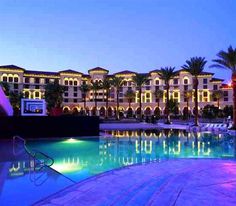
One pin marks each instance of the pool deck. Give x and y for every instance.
(174, 182)
(142, 125)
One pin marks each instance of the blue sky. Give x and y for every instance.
(138, 35)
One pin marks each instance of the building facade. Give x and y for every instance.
(32, 85)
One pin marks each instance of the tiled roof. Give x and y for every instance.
(41, 72)
(126, 72)
(70, 71)
(98, 68)
(12, 67)
(216, 80)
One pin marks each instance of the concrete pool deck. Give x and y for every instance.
(174, 182)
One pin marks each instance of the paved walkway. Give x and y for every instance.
(142, 125)
(174, 182)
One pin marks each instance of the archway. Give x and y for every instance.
(147, 111)
(109, 112)
(157, 112)
(129, 112)
(102, 112)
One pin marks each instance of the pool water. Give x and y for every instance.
(76, 159)
(81, 158)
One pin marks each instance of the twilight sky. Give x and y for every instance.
(138, 35)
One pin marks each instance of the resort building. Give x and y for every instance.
(32, 85)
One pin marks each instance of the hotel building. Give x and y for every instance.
(32, 84)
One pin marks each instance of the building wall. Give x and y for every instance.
(32, 84)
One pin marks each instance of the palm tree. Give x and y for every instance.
(159, 95)
(106, 85)
(6, 88)
(130, 96)
(84, 88)
(187, 95)
(54, 96)
(227, 60)
(140, 80)
(218, 95)
(15, 100)
(167, 74)
(95, 86)
(195, 67)
(117, 82)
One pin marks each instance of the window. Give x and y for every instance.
(185, 87)
(185, 81)
(46, 81)
(204, 81)
(75, 89)
(36, 94)
(205, 94)
(75, 100)
(27, 80)
(226, 99)
(15, 86)
(70, 83)
(121, 95)
(75, 94)
(147, 88)
(148, 82)
(10, 79)
(36, 86)
(27, 95)
(75, 83)
(15, 79)
(176, 95)
(66, 94)
(66, 100)
(37, 80)
(66, 82)
(4, 79)
(66, 88)
(225, 93)
(157, 82)
(26, 86)
(125, 83)
(205, 86)
(175, 81)
(215, 87)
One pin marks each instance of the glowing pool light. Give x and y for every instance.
(71, 141)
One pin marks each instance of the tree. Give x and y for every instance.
(209, 112)
(140, 80)
(227, 60)
(84, 88)
(195, 67)
(187, 95)
(6, 88)
(106, 85)
(130, 96)
(117, 82)
(54, 95)
(95, 86)
(15, 100)
(159, 95)
(218, 95)
(166, 74)
(173, 107)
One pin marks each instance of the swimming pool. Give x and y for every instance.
(76, 159)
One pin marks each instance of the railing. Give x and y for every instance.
(38, 161)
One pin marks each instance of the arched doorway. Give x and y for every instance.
(102, 112)
(130, 113)
(148, 111)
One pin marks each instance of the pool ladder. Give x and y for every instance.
(38, 161)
